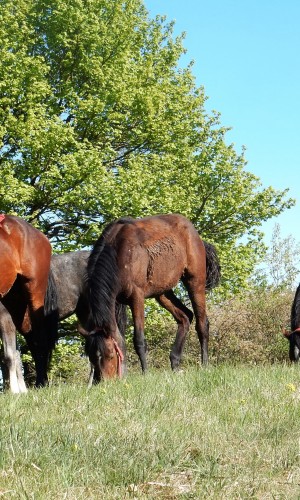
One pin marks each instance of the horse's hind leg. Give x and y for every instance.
(183, 316)
(138, 315)
(37, 340)
(196, 291)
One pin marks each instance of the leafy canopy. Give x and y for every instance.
(98, 120)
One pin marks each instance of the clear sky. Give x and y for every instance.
(247, 56)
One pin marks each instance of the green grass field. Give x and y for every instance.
(221, 432)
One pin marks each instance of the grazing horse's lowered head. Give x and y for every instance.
(293, 335)
(105, 351)
(105, 355)
(294, 341)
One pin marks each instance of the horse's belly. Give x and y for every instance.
(162, 281)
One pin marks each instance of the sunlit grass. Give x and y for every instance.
(221, 432)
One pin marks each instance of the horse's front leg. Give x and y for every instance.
(20, 377)
(138, 315)
(10, 363)
(13, 375)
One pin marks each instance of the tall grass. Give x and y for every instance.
(220, 432)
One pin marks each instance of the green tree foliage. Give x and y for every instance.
(280, 268)
(98, 120)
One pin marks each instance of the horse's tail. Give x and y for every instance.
(102, 273)
(51, 312)
(213, 269)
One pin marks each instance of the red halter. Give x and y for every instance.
(120, 356)
(297, 330)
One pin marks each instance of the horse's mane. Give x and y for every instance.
(102, 273)
(94, 343)
(99, 245)
(295, 311)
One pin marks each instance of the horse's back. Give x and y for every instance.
(24, 251)
(153, 228)
(69, 271)
(21, 238)
(162, 233)
(155, 252)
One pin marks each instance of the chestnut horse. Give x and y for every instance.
(25, 255)
(293, 336)
(136, 259)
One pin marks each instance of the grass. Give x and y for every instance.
(221, 432)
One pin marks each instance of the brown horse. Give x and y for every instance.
(25, 255)
(139, 258)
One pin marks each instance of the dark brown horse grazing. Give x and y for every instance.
(293, 336)
(25, 255)
(139, 258)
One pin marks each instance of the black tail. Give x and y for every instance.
(213, 269)
(51, 311)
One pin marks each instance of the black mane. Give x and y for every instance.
(102, 273)
(94, 343)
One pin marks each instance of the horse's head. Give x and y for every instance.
(104, 354)
(294, 341)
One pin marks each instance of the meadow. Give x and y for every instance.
(219, 432)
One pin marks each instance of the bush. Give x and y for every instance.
(245, 329)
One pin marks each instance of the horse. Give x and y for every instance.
(143, 258)
(293, 335)
(25, 255)
(69, 276)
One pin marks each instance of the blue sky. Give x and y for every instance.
(247, 56)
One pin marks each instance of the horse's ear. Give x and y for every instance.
(82, 331)
(286, 333)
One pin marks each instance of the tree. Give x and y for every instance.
(97, 120)
(280, 267)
